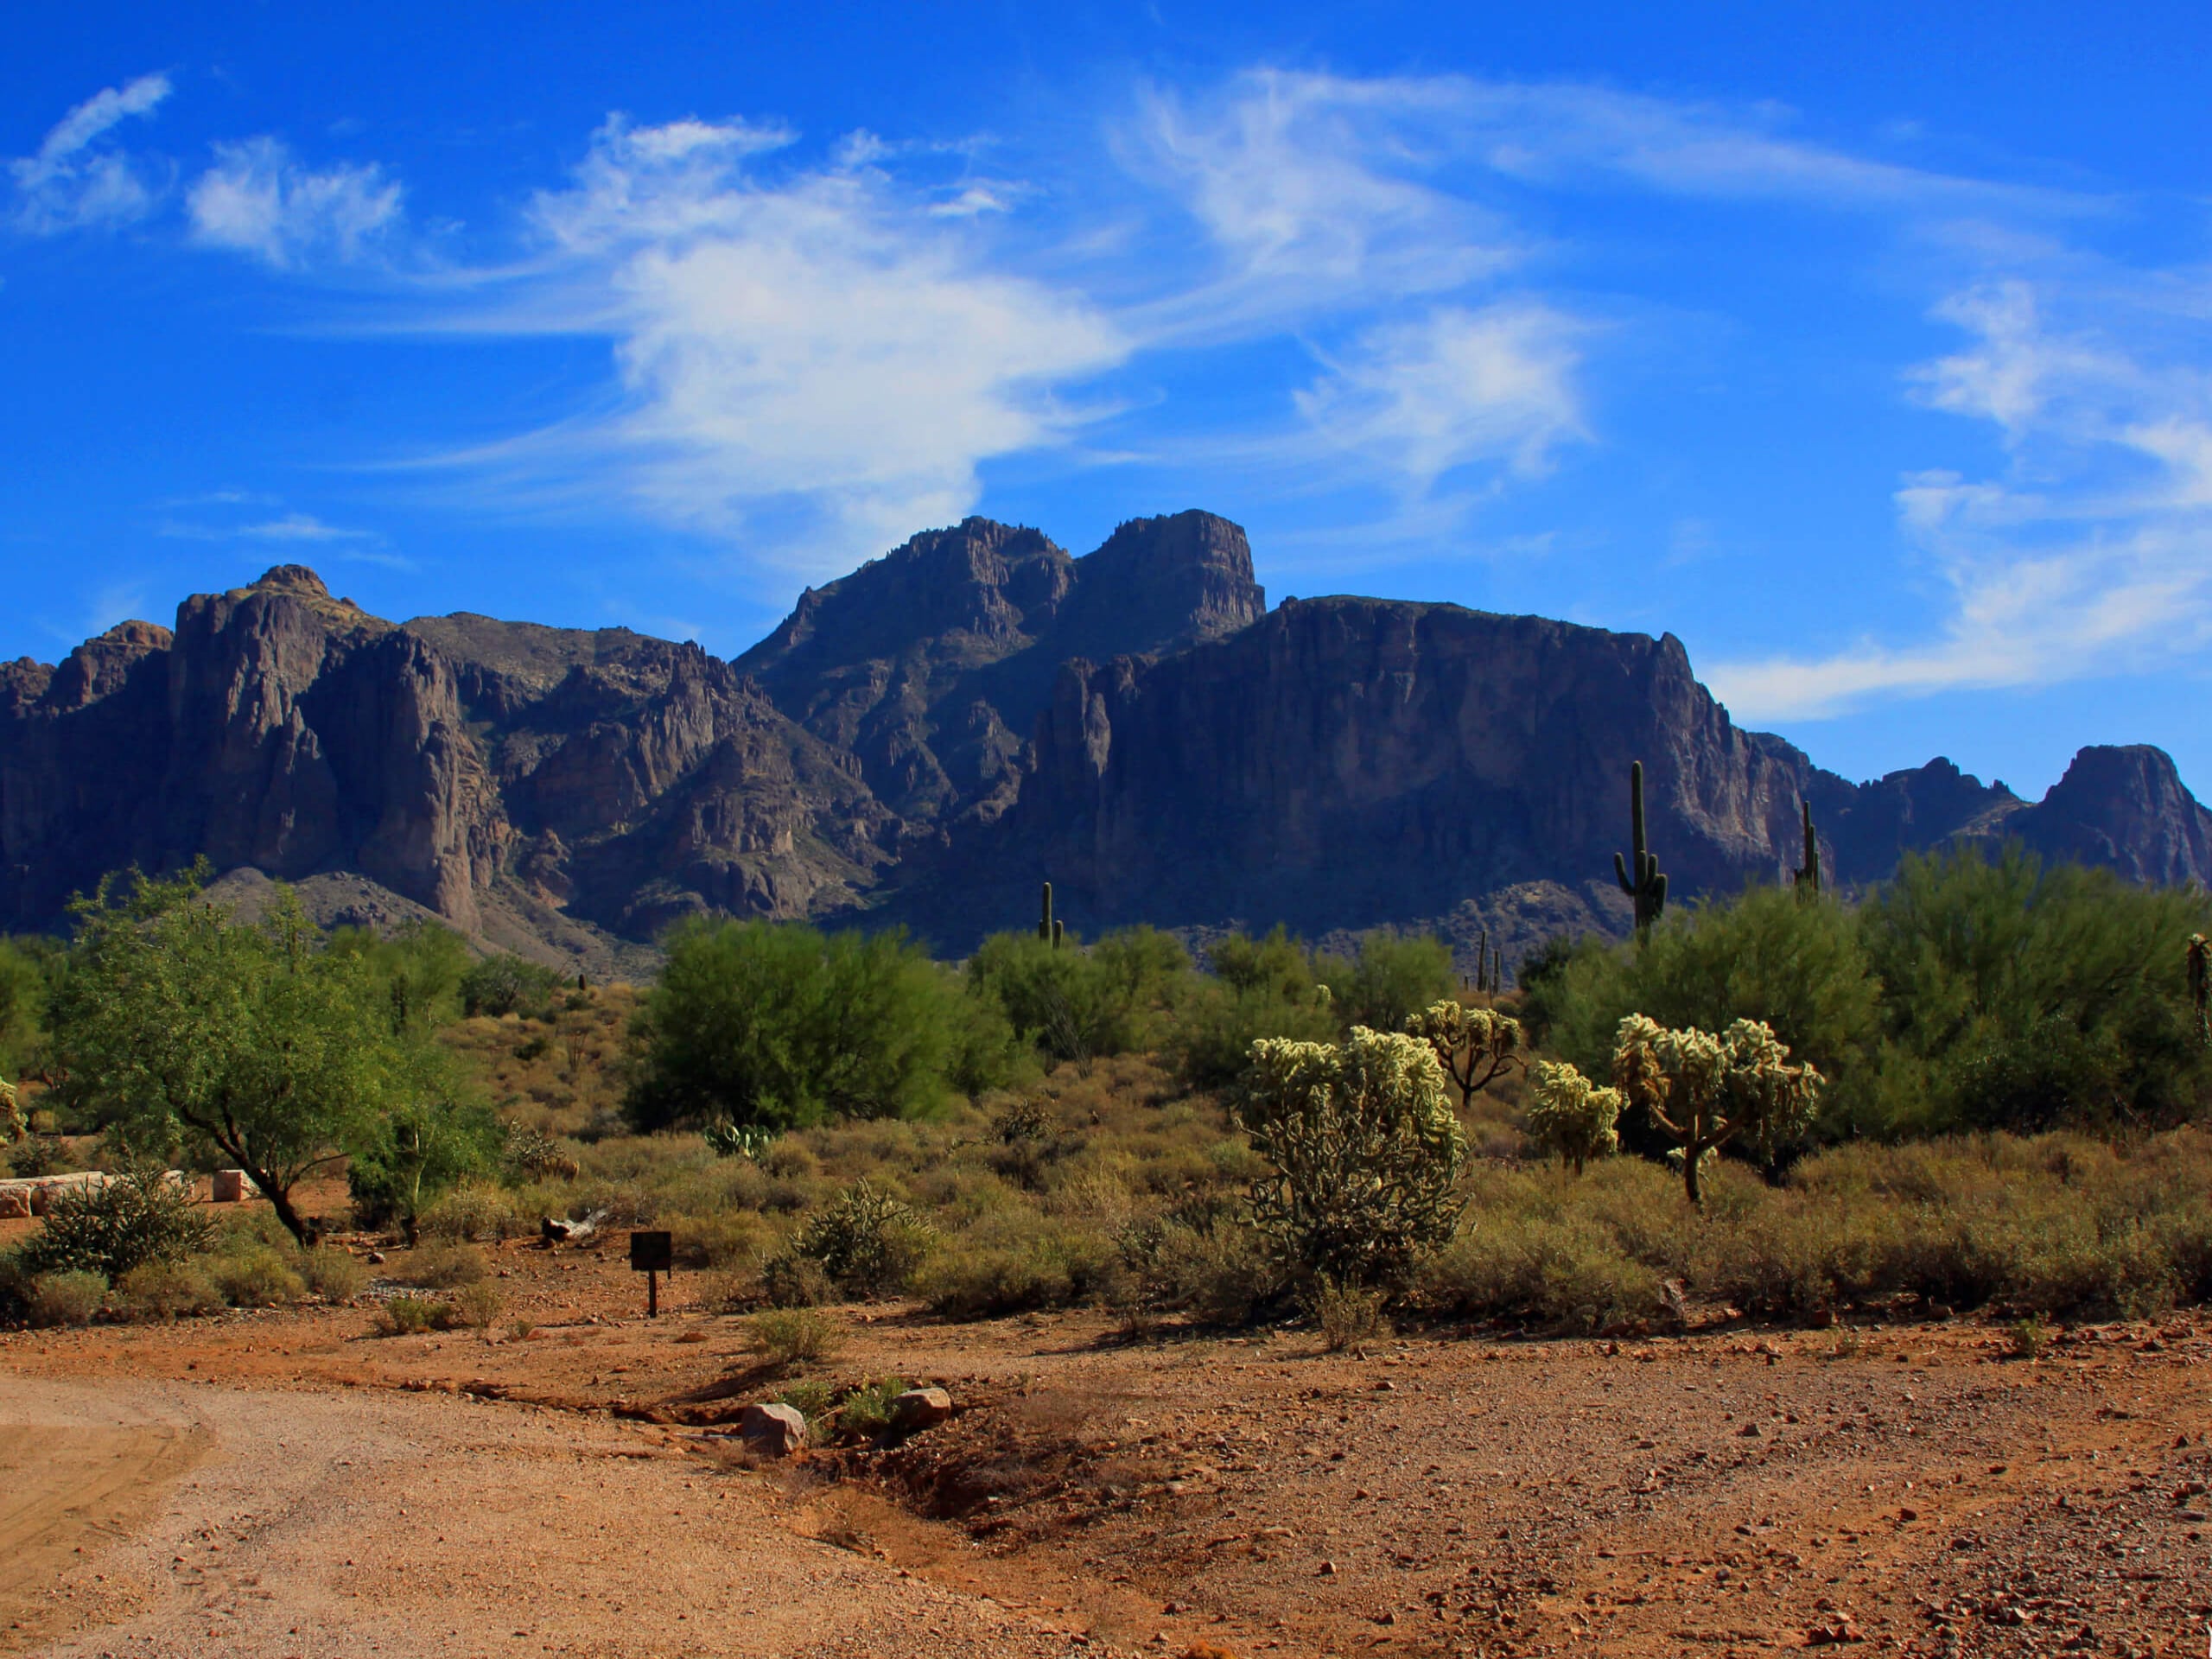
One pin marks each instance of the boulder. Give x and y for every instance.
(228, 1186)
(773, 1431)
(920, 1408)
(15, 1203)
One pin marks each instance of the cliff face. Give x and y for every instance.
(932, 665)
(928, 738)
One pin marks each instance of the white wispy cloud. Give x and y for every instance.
(815, 364)
(2091, 552)
(259, 199)
(77, 180)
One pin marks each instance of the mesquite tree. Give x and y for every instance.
(1571, 1115)
(1474, 1046)
(1365, 1151)
(1705, 1091)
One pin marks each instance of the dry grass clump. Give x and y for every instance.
(787, 1336)
(164, 1292)
(74, 1297)
(2061, 1226)
(438, 1267)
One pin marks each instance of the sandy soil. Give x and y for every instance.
(1916, 1488)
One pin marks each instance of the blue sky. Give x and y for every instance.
(1867, 349)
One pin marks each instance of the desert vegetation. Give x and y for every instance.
(1982, 1087)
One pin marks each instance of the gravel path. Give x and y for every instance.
(327, 1525)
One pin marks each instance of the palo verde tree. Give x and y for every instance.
(1705, 1091)
(1365, 1151)
(1474, 1046)
(176, 1022)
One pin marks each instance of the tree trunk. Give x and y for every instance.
(280, 1200)
(1692, 1155)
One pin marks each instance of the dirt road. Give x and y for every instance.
(171, 1518)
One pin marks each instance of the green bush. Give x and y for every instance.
(166, 1290)
(868, 1242)
(504, 984)
(256, 1276)
(1203, 1262)
(786, 1337)
(1076, 1003)
(137, 1218)
(411, 1316)
(332, 1275)
(1211, 1042)
(475, 1210)
(71, 1296)
(756, 1023)
(1393, 977)
(985, 1278)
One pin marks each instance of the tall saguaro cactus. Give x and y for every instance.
(1808, 874)
(1048, 930)
(2200, 986)
(1648, 887)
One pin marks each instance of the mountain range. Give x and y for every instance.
(926, 740)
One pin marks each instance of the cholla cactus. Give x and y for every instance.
(1706, 1091)
(1572, 1115)
(536, 1156)
(1366, 1154)
(2200, 985)
(14, 1129)
(1472, 1045)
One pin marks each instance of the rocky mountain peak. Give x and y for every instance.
(293, 579)
(2124, 806)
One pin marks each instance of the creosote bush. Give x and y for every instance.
(72, 1296)
(786, 1337)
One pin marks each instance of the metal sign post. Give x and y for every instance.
(652, 1255)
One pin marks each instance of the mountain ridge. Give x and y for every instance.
(925, 738)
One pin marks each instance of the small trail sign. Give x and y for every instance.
(652, 1255)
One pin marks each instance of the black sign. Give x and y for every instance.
(652, 1252)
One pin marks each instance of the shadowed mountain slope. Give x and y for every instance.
(926, 739)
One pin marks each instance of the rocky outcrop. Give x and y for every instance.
(926, 739)
(2125, 808)
(932, 665)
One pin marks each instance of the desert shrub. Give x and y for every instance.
(37, 1155)
(70, 1296)
(165, 1291)
(997, 1272)
(1393, 978)
(137, 1218)
(785, 1337)
(411, 1316)
(1565, 1271)
(507, 984)
(479, 1303)
(438, 1267)
(869, 1242)
(2036, 995)
(1364, 1151)
(474, 1209)
(773, 1024)
(792, 1281)
(727, 1239)
(864, 1412)
(1202, 1263)
(531, 1155)
(418, 1151)
(332, 1275)
(1076, 1003)
(1210, 1043)
(257, 1276)
(1348, 1315)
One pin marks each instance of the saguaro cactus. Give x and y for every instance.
(1048, 930)
(2200, 985)
(1808, 874)
(1648, 887)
